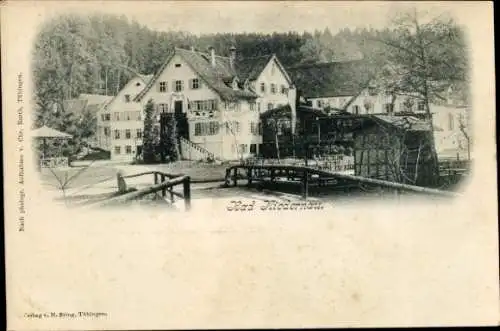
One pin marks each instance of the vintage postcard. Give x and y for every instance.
(227, 164)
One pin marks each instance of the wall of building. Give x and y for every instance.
(184, 73)
(126, 116)
(448, 136)
(272, 74)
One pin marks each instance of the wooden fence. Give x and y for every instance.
(163, 182)
(308, 177)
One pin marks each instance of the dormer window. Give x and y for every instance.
(177, 65)
(127, 97)
(235, 84)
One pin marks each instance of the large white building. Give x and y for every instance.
(216, 100)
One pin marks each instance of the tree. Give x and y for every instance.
(169, 139)
(148, 144)
(424, 54)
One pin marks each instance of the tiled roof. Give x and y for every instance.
(75, 106)
(250, 68)
(332, 79)
(215, 76)
(95, 98)
(410, 123)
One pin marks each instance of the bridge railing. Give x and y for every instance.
(163, 183)
(308, 177)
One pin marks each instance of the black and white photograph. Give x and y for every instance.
(127, 112)
(300, 164)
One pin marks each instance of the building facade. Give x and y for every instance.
(121, 121)
(216, 101)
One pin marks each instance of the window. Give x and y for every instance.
(116, 116)
(127, 115)
(263, 87)
(179, 85)
(107, 117)
(388, 107)
(254, 128)
(128, 149)
(451, 122)
(177, 65)
(319, 103)
(421, 106)
(106, 132)
(117, 150)
(206, 128)
(162, 107)
(194, 84)
(233, 127)
(199, 105)
(163, 87)
(252, 105)
(273, 88)
(127, 134)
(139, 115)
(117, 134)
(273, 69)
(127, 97)
(284, 90)
(253, 148)
(139, 133)
(269, 106)
(258, 106)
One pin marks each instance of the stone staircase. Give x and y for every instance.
(192, 151)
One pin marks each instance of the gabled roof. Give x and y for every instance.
(147, 79)
(410, 123)
(332, 79)
(251, 67)
(216, 77)
(75, 106)
(94, 99)
(86, 102)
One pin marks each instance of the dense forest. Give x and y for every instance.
(76, 54)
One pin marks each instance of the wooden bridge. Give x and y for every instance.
(320, 180)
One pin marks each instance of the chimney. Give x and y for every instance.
(212, 55)
(232, 56)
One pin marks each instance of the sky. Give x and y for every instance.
(264, 16)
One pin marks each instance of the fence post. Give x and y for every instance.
(171, 190)
(235, 176)
(187, 193)
(122, 186)
(249, 175)
(305, 185)
(164, 190)
(228, 177)
(156, 178)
